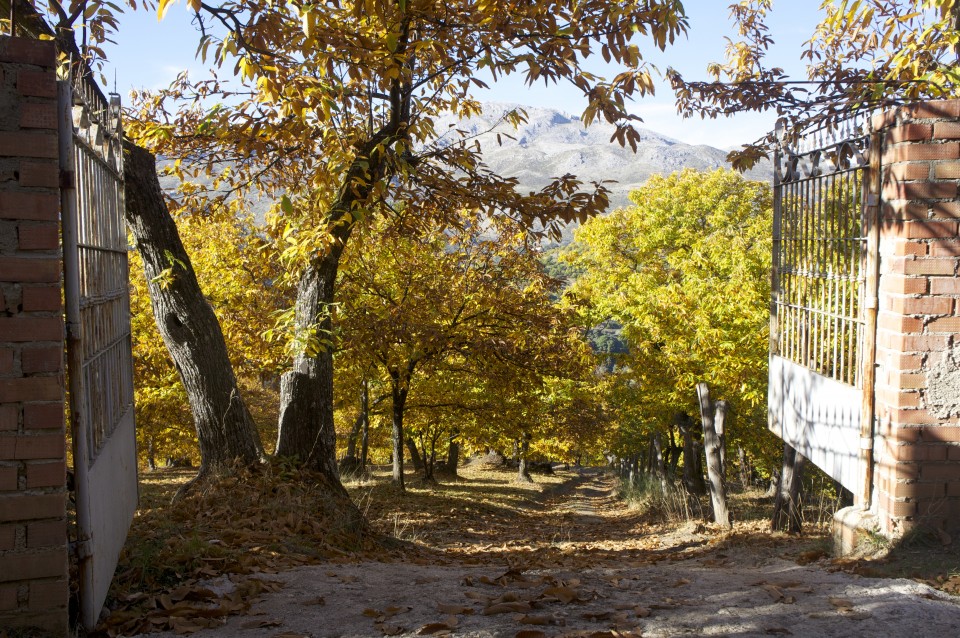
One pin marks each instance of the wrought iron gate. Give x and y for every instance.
(100, 366)
(822, 258)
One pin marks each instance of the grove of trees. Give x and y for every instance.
(396, 278)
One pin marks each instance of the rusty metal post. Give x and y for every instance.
(871, 230)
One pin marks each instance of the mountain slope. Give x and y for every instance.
(553, 143)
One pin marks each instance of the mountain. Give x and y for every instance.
(552, 143)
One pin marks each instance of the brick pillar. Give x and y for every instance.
(33, 526)
(917, 474)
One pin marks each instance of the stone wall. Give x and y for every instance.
(917, 471)
(33, 539)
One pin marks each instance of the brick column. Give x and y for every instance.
(917, 474)
(33, 538)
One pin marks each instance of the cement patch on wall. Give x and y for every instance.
(943, 385)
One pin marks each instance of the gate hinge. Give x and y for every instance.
(82, 549)
(67, 181)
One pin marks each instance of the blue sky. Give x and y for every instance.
(149, 55)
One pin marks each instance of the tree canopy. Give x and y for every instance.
(685, 272)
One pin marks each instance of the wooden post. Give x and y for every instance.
(712, 447)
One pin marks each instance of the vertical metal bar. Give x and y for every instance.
(871, 216)
(775, 257)
(79, 416)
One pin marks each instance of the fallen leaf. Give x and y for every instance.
(390, 630)
(504, 608)
(842, 604)
(641, 612)
(475, 595)
(563, 594)
(453, 609)
(527, 619)
(530, 633)
(318, 600)
(261, 624)
(597, 615)
(779, 630)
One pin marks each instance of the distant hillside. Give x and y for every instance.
(553, 143)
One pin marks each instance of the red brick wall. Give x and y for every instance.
(917, 476)
(33, 538)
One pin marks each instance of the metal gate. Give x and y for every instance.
(824, 257)
(99, 360)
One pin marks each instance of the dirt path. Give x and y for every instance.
(574, 563)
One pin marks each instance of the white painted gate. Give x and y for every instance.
(822, 332)
(99, 359)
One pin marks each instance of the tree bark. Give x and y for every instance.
(416, 459)
(398, 392)
(523, 473)
(453, 455)
(186, 320)
(745, 470)
(365, 429)
(660, 466)
(692, 474)
(786, 508)
(306, 428)
(712, 447)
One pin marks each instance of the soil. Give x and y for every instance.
(569, 559)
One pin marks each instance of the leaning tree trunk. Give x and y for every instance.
(416, 460)
(190, 329)
(786, 508)
(712, 445)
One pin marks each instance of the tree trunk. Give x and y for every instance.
(786, 508)
(190, 329)
(746, 472)
(660, 467)
(399, 394)
(353, 437)
(523, 474)
(365, 430)
(453, 455)
(712, 447)
(306, 429)
(415, 458)
(692, 473)
(720, 421)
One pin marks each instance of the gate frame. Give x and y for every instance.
(112, 464)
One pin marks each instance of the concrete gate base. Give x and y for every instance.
(852, 526)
